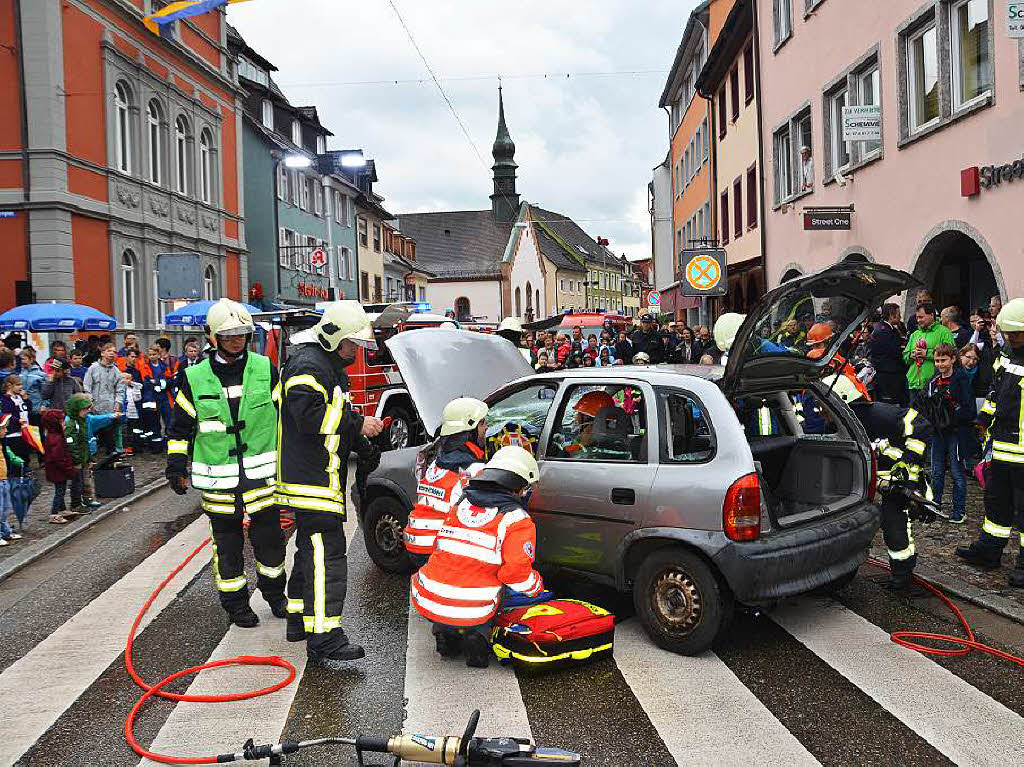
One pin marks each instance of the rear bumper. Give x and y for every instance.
(794, 562)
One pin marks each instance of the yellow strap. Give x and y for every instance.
(305, 380)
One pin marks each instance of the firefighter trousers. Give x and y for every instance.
(898, 534)
(319, 580)
(1004, 505)
(229, 563)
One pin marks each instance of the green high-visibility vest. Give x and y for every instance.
(215, 464)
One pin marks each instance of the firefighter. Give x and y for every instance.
(899, 438)
(1003, 416)
(819, 338)
(457, 452)
(488, 543)
(511, 329)
(318, 428)
(226, 410)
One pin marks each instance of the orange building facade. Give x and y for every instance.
(116, 146)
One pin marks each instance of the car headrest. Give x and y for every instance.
(611, 422)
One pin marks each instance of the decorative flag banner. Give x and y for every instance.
(182, 9)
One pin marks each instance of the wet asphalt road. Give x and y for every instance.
(591, 709)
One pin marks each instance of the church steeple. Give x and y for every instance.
(505, 200)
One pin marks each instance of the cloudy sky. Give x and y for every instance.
(585, 144)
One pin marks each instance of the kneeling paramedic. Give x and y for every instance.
(318, 429)
(488, 543)
(1003, 416)
(226, 410)
(899, 438)
(442, 470)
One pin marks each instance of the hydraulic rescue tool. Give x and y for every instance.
(467, 751)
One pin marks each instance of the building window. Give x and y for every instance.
(723, 116)
(321, 145)
(923, 77)
(783, 165)
(363, 240)
(128, 292)
(181, 136)
(422, 294)
(282, 182)
(267, 114)
(839, 150)
(707, 220)
(303, 183)
(123, 127)
(297, 133)
(752, 197)
(376, 288)
(869, 92)
(782, 21)
(707, 140)
(345, 263)
(156, 145)
(210, 284)
(205, 167)
(364, 286)
(734, 84)
(316, 190)
(376, 238)
(294, 193)
(971, 57)
(748, 72)
(724, 222)
(737, 207)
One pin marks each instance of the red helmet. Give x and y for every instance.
(819, 333)
(592, 402)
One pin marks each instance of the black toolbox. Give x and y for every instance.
(113, 479)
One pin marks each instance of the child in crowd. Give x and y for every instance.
(133, 396)
(60, 469)
(80, 427)
(8, 462)
(58, 351)
(154, 392)
(953, 434)
(542, 365)
(78, 367)
(13, 403)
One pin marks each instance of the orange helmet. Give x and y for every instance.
(592, 402)
(819, 333)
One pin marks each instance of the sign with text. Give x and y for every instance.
(703, 272)
(827, 220)
(1015, 19)
(862, 123)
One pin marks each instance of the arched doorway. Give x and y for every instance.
(462, 313)
(955, 267)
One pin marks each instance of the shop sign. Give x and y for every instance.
(827, 220)
(1015, 20)
(311, 290)
(862, 123)
(994, 175)
(704, 272)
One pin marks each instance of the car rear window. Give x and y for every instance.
(798, 413)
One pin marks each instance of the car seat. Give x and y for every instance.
(613, 430)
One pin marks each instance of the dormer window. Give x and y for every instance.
(268, 114)
(296, 133)
(321, 145)
(250, 71)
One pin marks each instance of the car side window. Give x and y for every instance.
(518, 418)
(601, 422)
(686, 434)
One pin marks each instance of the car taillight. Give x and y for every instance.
(741, 513)
(873, 485)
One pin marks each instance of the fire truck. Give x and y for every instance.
(377, 388)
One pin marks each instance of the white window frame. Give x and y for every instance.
(267, 113)
(304, 202)
(782, 151)
(318, 201)
(321, 144)
(836, 143)
(182, 130)
(129, 299)
(307, 255)
(869, 74)
(930, 26)
(297, 133)
(206, 167)
(123, 127)
(209, 283)
(284, 255)
(154, 113)
(955, 62)
(783, 21)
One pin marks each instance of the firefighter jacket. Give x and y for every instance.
(225, 415)
(899, 437)
(1003, 411)
(488, 542)
(439, 487)
(317, 429)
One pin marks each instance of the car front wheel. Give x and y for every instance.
(679, 601)
(400, 433)
(383, 524)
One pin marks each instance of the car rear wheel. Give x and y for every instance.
(402, 431)
(382, 524)
(679, 601)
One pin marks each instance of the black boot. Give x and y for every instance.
(296, 631)
(244, 617)
(477, 649)
(279, 607)
(448, 643)
(898, 581)
(983, 557)
(337, 660)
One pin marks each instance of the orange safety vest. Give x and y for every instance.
(479, 550)
(436, 492)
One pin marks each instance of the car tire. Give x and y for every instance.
(402, 431)
(680, 601)
(383, 523)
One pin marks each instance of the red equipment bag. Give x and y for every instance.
(553, 634)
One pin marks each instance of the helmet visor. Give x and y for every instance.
(241, 330)
(369, 345)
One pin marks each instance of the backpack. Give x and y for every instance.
(554, 634)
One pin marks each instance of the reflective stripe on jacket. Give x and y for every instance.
(438, 489)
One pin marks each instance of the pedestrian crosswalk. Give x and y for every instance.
(707, 710)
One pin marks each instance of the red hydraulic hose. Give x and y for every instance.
(961, 645)
(158, 691)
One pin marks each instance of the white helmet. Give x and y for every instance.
(341, 320)
(512, 324)
(229, 318)
(461, 415)
(512, 467)
(1011, 317)
(448, 326)
(726, 328)
(641, 358)
(844, 387)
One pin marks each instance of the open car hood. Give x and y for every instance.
(770, 347)
(441, 364)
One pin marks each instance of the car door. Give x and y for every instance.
(596, 485)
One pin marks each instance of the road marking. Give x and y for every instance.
(702, 711)
(441, 693)
(202, 729)
(63, 666)
(962, 722)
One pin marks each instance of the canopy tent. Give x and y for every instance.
(195, 313)
(56, 318)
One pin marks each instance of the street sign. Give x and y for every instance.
(1015, 20)
(704, 272)
(862, 123)
(319, 259)
(826, 220)
(654, 298)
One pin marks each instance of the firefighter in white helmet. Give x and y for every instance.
(225, 412)
(318, 429)
(511, 329)
(726, 328)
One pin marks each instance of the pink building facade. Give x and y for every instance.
(942, 194)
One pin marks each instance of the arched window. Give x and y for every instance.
(209, 284)
(205, 167)
(181, 135)
(122, 127)
(462, 313)
(536, 304)
(519, 303)
(128, 293)
(156, 148)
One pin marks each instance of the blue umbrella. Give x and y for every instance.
(195, 313)
(56, 318)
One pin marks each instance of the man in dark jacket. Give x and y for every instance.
(886, 355)
(647, 339)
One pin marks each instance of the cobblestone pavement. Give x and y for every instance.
(37, 525)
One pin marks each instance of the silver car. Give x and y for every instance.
(694, 488)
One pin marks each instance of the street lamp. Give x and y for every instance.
(296, 160)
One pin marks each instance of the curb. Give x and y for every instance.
(999, 605)
(14, 564)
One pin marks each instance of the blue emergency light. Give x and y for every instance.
(421, 307)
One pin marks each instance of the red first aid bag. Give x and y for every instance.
(556, 633)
